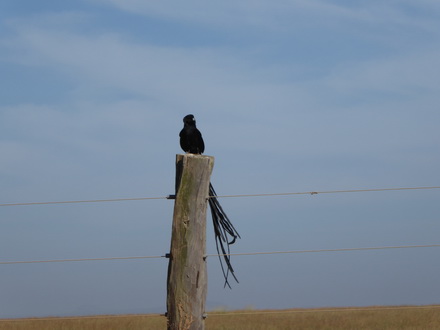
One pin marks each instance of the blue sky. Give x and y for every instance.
(289, 95)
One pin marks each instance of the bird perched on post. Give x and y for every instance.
(190, 137)
(191, 141)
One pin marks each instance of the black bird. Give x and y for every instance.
(190, 137)
(225, 234)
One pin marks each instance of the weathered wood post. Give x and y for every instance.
(187, 275)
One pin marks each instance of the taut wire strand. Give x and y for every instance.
(86, 201)
(222, 196)
(328, 192)
(329, 250)
(83, 259)
(228, 254)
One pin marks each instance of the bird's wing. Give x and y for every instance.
(200, 143)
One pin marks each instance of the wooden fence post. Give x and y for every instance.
(187, 274)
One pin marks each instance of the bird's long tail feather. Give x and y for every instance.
(225, 234)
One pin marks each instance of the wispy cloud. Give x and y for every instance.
(145, 70)
(283, 14)
(180, 80)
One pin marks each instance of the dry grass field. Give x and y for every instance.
(403, 317)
